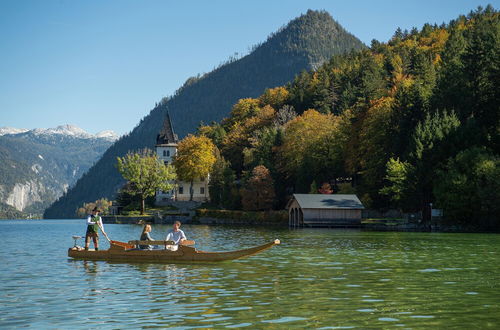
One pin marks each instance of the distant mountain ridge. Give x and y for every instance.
(12, 130)
(39, 165)
(68, 130)
(303, 44)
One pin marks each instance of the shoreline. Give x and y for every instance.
(365, 226)
(209, 221)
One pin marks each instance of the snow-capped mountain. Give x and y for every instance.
(12, 130)
(108, 134)
(64, 130)
(39, 165)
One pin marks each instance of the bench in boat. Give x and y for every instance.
(157, 242)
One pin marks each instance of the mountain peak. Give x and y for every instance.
(314, 35)
(70, 130)
(107, 134)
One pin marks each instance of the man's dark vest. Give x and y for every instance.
(95, 227)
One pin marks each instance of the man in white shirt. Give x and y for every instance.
(176, 235)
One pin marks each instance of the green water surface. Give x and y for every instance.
(317, 278)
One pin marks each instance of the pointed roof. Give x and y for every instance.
(167, 135)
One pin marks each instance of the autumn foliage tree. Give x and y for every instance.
(102, 204)
(194, 159)
(313, 147)
(258, 193)
(242, 131)
(275, 97)
(325, 189)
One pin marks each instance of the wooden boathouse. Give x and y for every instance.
(324, 210)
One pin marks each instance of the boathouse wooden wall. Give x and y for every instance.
(322, 217)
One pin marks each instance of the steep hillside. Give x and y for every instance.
(39, 165)
(411, 124)
(303, 44)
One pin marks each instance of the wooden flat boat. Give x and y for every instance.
(125, 252)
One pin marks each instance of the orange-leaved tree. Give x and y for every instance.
(258, 193)
(325, 189)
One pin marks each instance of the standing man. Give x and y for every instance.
(94, 223)
(175, 235)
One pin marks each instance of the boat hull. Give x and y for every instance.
(182, 255)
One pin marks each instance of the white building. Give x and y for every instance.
(166, 149)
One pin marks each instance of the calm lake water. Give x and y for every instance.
(317, 278)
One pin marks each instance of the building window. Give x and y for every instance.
(164, 153)
(166, 163)
(181, 190)
(202, 179)
(202, 190)
(168, 153)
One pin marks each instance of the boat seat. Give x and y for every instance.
(156, 242)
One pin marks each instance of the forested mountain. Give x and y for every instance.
(39, 165)
(303, 44)
(403, 124)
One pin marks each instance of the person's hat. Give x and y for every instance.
(96, 209)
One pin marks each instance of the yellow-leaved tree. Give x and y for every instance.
(243, 109)
(102, 204)
(312, 135)
(194, 160)
(275, 97)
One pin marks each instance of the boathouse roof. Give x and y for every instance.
(328, 201)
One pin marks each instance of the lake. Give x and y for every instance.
(317, 278)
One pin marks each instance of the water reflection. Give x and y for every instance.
(91, 267)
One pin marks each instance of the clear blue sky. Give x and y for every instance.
(103, 64)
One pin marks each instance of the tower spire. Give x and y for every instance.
(167, 135)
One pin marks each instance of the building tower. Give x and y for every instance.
(166, 149)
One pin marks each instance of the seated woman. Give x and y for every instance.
(146, 237)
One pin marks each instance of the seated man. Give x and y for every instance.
(176, 235)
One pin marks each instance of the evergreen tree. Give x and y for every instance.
(468, 188)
